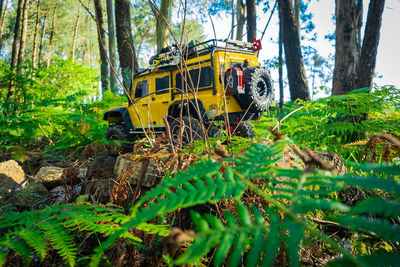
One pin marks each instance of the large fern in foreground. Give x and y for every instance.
(254, 235)
(29, 232)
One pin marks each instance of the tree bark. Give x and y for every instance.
(280, 60)
(294, 61)
(11, 90)
(42, 38)
(102, 45)
(366, 65)
(76, 26)
(35, 33)
(347, 51)
(251, 20)
(297, 13)
(162, 31)
(240, 18)
(52, 33)
(2, 19)
(24, 29)
(126, 49)
(111, 46)
(232, 19)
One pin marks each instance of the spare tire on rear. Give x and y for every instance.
(259, 90)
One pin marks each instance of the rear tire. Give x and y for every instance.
(192, 130)
(245, 129)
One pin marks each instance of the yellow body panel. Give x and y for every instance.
(149, 110)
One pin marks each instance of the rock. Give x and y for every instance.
(152, 173)
(11, 176)
(82, 173)
(102, 167)
(50, 177)
(60, 195)
(32, 195)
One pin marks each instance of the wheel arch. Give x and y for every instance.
(118, 116)
(188, 107)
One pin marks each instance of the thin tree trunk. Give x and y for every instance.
(42, 37)
(126, 49)
(297, 13)
(366, 65)
(347, 52)
(11, 90)
(162, 31)
(102, 45)
(240, 18)
(36, 33)
(24, 29)
(294, 61)
(281, 94)
(1, 8)
(111, 46)
(52, 33)
(76, 26)
(2, 19)
(232, 19)
(251, 20)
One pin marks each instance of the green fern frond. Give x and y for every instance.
(60, 239)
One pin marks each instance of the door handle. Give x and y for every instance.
(144, 105)
(165, 102)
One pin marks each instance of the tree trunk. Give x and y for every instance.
(52, 33)
(126, 49)
(35, 34)
(11, 90)
(24, 29)
(346, 54)
(111, 47)
(2, 19)
(76, 26)
(162, 31)
(281, 95)
(251, 20)
(42, 38)
(366, 65)
(294, 61)
(232, 19)
(297, 14)
(240, 18)
(102, 45)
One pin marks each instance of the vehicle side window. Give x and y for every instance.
(142, 89)
(161, 85)
(200, 77)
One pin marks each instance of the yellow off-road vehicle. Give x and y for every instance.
(206, 82)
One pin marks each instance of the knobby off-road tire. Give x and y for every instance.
(192, 130)
(245, 129)
(119, 132)
(259, 90)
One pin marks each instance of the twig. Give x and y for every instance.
(45, 135)
(287, 116)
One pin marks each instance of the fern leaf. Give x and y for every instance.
(21, 248)
(35, 240)
(61, 240)
(378, 259)
(388, 208)
(378, 227)
(273, 239)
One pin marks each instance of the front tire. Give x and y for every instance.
(119, 132)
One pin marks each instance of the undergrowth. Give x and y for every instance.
(251, 235)
(52, 109)
(327, 124)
